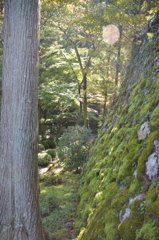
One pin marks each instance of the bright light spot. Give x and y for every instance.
(111, 34)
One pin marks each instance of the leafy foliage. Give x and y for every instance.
(49, 144)
(73, 146)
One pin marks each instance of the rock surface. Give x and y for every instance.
(144, 131)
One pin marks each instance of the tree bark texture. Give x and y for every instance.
(19, 209)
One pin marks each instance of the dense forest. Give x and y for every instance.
(98, 111)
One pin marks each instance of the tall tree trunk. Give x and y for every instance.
(81, 105)
(118, 59)
(105, 102)
(19, 209)
(85, 115)
(84, 81)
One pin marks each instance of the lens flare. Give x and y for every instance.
(111, 34)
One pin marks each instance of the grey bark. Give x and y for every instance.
(19, 209)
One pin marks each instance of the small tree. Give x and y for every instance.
(73, 146)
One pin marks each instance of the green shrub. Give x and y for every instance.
(73, 146)
(41, 147)
(44, 158)
(49, 144)
(51, 152)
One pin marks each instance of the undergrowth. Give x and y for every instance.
(58, 200)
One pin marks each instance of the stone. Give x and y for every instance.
(143, 131)
(135, 173)
(156, 143)
(125, 215)
(138, 197)
(152, 166)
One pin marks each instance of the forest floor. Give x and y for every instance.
(58, 200)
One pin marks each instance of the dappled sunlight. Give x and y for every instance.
(58, 170)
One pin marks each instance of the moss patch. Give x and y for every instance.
(58, 200)
(131, 224)
(147, 232)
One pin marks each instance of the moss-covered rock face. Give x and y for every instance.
(119, 193)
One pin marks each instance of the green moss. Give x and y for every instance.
(130, 156)
(155, 112)
(85, 212)
(152, 199)
(145, 109)
(153, 98)
(131, 224)
(80, 236)
(133, 143)
(98, 197)
(132, 108)
(120, 147)
(124, 110)
(112, 216)
(62, 233)
(48, 203)
(58, 202)
(111, 231)
(149, 148)
(125, 169)
(141, 161)
(96, 224)
(120, 199)
(147, 232)
(110, 190)
(135, 88)
(84, 194)
(135, 187)
(153, 136)
(96, 218)
(154, 123)
(90, 176)
(51, 179)
(117, 154)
